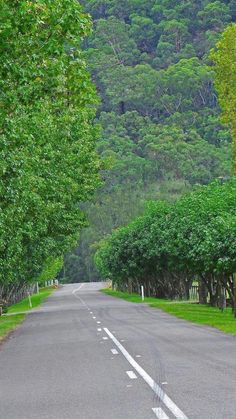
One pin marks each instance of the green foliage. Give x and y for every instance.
(51, 269)
(48, 163)
(161, 130)
(224, 57)
(170, 245)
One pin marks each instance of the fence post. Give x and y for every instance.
(142, 292)
(30, 302)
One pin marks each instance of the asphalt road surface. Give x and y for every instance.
(85, 355)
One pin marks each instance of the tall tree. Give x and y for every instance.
(48, 162)
(224, 57)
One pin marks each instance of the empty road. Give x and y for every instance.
(85, 355)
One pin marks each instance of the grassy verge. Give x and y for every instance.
(36, 300)
(196, 313)
(9, 323)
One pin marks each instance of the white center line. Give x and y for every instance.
(154, 386)
(160, 414)
(131, 375)
(77, 289)
(114, 351)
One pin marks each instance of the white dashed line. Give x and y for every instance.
(99, 329)
(114, 351)
(154, 386)
(98, 322)
(160, 414)
(131, 375)
(105, 338)
(94, 317)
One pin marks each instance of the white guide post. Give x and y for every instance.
(30, 302)
(37, 287)
(142, 292)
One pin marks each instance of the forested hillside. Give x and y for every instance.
(161, 130)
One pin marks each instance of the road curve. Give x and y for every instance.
(86, 355)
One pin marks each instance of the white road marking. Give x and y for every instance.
(105, 338)
(98, 322)
(138, 356)
(77, 289)
(160, 414)
(114, 351)
(99, 329)
(78, 297)
(164, 383)
(131, 375)
(94, 317)
(154, 386)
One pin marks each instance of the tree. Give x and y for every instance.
(47, 154)
(224, 57)
(170, 245)
(225, 65)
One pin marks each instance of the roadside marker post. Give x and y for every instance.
(30, 302)
(142, 292)
(37, 287)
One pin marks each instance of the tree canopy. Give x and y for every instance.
(224, 57)
(171, 245)
(48, 162)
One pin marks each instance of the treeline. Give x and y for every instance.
(48, 163)
(161, 130)
(171, 246)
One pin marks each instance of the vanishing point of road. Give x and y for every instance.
(85, 355)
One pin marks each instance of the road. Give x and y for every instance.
(85, 355)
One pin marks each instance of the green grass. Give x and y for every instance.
(36, 300)
(196, 313)
(9, 323)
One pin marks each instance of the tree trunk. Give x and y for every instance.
(202, 291)
(130, 287)
(234, 281)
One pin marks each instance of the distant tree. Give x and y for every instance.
(224, 57)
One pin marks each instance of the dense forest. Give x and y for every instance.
(161, 132)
